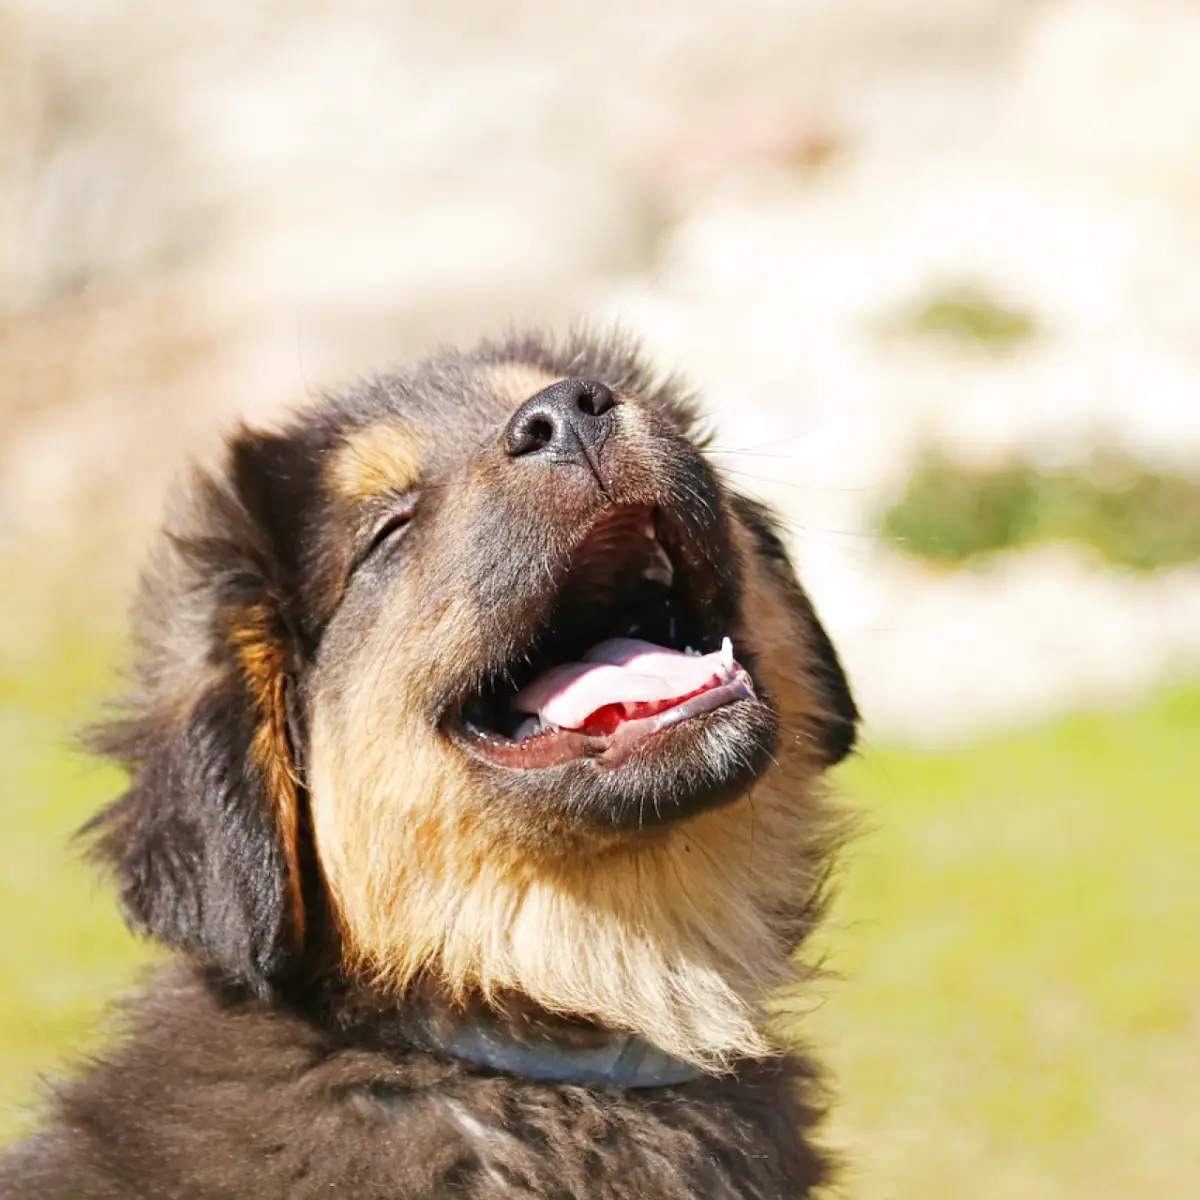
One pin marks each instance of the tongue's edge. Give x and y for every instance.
(621, 671)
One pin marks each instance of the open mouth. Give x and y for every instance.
(633, 646)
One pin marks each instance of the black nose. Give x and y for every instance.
(567, 422)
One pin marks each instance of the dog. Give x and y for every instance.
(475, 768)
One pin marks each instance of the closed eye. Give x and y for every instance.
(388, 530)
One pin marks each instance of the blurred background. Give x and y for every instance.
(935, 265)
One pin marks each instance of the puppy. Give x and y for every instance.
(474, 776)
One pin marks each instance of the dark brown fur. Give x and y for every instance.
(273, 1061)
(221, 1094)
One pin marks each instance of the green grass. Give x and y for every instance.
(1127, 513)
(1017, 941)
(966, 315)
(63, 949)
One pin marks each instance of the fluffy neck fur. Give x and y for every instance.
(680, 938)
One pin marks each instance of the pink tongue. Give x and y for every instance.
(620, 671)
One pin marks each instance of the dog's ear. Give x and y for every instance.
(206, 842)
(838, 722)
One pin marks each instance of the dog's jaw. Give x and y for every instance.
(622, 699)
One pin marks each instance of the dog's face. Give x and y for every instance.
(501, 665)
(514, 551)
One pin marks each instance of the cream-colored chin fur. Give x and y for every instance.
(680, 939)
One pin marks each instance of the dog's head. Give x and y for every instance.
(484, 660)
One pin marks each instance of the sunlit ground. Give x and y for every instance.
(1018, 937)
(1020, 942)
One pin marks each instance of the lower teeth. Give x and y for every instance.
(527, 728)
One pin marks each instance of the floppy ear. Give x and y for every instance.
(838, 724)
(205, 843)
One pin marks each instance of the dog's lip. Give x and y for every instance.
(556, 747)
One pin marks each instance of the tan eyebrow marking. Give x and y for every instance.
(381, 458)
(516, 382)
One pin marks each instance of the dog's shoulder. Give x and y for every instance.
(213, 1087)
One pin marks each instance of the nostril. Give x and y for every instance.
(594, 399)
(532, 429)
(538, 433)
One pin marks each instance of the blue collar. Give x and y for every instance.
(621, 1060)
